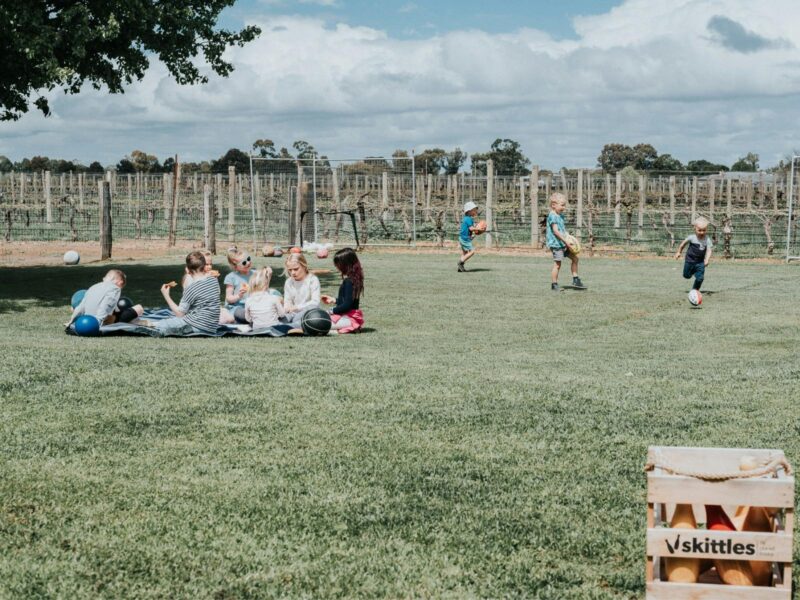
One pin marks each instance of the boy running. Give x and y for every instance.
(699, 253)
(468, 231)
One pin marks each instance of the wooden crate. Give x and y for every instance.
(664, 490)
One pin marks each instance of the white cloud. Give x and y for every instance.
(648, 70)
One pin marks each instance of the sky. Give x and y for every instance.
(711, 79)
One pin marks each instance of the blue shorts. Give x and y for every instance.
(466, 245)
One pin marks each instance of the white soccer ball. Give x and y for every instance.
(71, 257)
(695, 298)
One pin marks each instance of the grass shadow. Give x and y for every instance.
(53, 286)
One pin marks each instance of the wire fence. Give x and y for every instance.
(371, 202)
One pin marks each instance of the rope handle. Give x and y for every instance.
(768, 466)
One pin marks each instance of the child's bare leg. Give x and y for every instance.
(465, 256)
(574, 265)
(226, 317)
(554, 273)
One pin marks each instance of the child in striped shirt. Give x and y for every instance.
(198, 311)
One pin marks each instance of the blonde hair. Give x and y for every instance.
(116, 274)
(259, 281)
(235, 256)
(701, 222)
(557, 198)
(296, 258)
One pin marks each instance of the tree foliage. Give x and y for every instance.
(748, 163)
(507, 157)
(48, 44)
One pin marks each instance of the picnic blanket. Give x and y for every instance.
(157, 314)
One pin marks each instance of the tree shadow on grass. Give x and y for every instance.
(51, 286)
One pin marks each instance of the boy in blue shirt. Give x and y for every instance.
(468, 231)
(699, 253)
(558, 241)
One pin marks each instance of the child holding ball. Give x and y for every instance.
(198, 311)
(346, 315)
(262, 309)
(699, 253)
(236, 283)
(301, 292)
(468, 231)
(558, 240)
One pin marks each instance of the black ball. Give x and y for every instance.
(316, 322)
(124, 303)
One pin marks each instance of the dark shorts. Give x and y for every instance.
(560, 253)
(698, 270)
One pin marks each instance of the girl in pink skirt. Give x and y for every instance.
(346, 315)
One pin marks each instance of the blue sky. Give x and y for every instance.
(710, 79)
(420, 18)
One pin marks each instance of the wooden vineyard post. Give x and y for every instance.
(642, 199)
(48, 200)
(672, 200)
(712, 190)
(489, 201)
(728, 197)
(105, 219)
(694, 198)
(534, 193)
(231, 206)
(173, 222)
(617, 199)
(522, 199)
(608, 190)
(165, 195)
(209, 220)
(746, 556)
(579, 210)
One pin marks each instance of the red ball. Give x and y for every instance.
(322, 253)
(296, 250)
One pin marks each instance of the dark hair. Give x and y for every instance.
(195, 261)
(346, 260)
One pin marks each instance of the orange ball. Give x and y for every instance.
(296, 250)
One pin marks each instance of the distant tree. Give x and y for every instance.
(667, 163)
(143, 162)
(169, 165)
(508, 158)
(453, 161)
(5, 164)
(478, 163)
(47, 45)
(63, 166)
(704, 166)
(305, 151)
(747, 163)
(39, 163)
(232, 158)
(126, 166)
(265, 148)
(430, 161)
(95, 167)
(615, 157)
(400, 159)
(644, 157)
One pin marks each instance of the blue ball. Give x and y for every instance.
(77, 297)
(87, 325)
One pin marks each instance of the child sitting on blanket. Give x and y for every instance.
(101, 299)
(198, 311)
(262, 309)
(301, 292)
(346, 315)
(236, 283)
(209, 268)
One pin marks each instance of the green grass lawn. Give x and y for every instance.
(485, 438)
